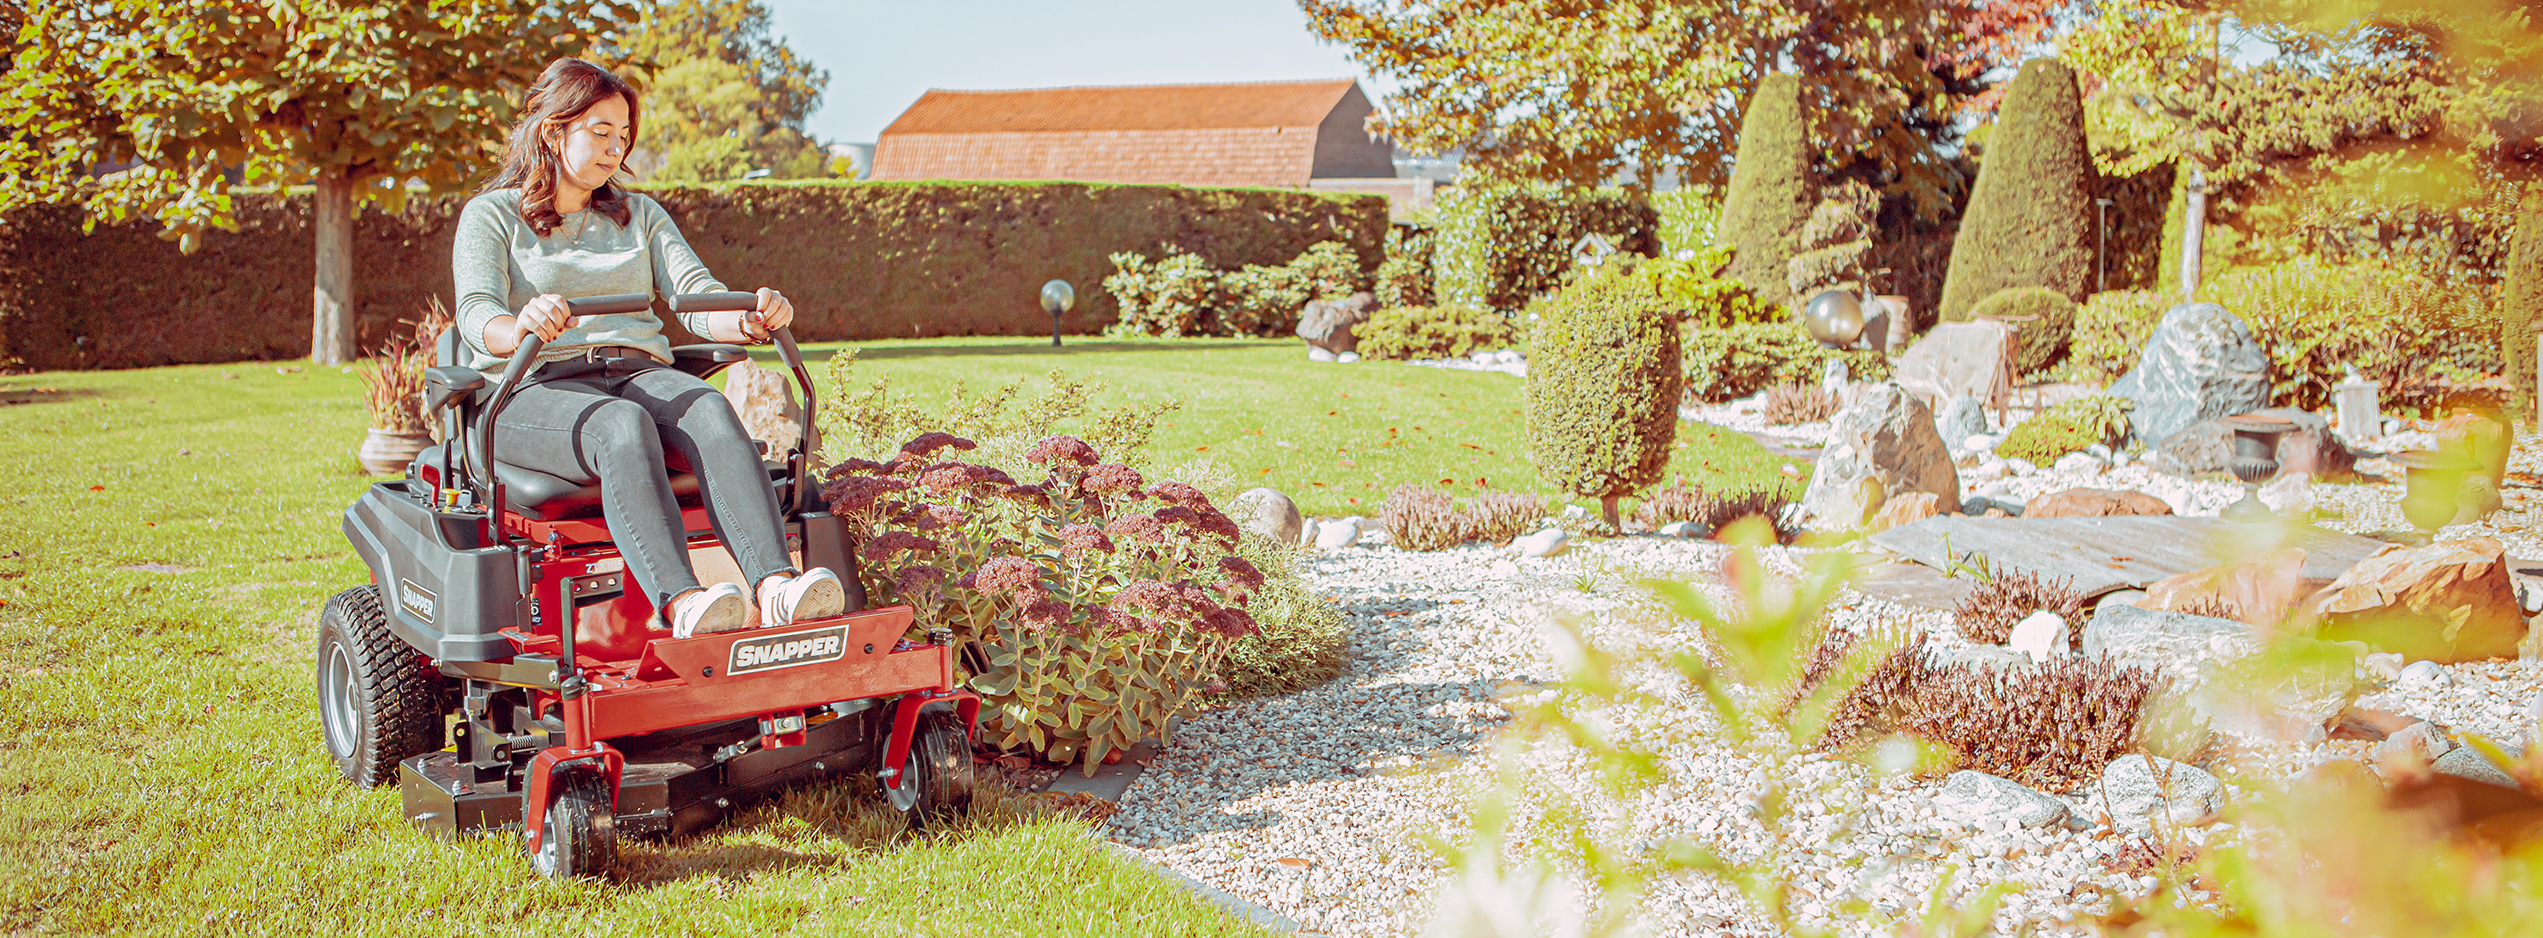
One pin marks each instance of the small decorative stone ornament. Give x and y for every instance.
(2359, 418)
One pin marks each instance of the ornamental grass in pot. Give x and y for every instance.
(393, 391)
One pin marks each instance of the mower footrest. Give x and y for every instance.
(439, 800)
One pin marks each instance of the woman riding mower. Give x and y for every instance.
(604, 403)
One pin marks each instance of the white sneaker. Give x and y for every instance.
(717, 608)
(814, 595)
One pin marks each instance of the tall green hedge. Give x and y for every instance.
(1499, 248)
(2521, 301)
(1770, 195)
(859, 260)
(2030, 217)
(1603, 382)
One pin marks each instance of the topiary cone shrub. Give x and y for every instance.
(2030, 217)
(1603, 385)
(1770, 197)
(2043, 322)
(1104, 605)
(2521, 300)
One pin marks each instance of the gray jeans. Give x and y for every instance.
(625, 423)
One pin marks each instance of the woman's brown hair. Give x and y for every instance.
(568, 88)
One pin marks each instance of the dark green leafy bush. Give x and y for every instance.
(1771, 193)
(2423, 340)
(2069, 427)
(1834, 243)
(2044, 321)
(1729, 363)
(1404, 278)
(1688, 218)
(2521, 299)
(860, 260)
(1603, 385)
(1412, 332)
(2110, 331)
(1499, 248)
(2030, 216)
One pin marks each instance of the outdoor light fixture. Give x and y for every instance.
(1057, 297)
(1834, 318)
(2101, 245)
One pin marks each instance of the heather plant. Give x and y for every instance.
(2051, 725)
(1421, 517)
(1093, 606)
(1992, 608)
(1793, 402)
(1678, 501)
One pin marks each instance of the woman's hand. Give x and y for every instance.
(774, 313)
(545, 316)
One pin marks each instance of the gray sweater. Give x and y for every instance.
(500, 264)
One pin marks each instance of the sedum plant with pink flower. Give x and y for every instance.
(1092, 606)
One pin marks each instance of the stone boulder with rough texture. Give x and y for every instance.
(1905, 509)
(2311, 448)
(2448, 601)
(2202, 363)
(2295, 694)
(2172, 642)
(763, 399)
(1962, 417)
(1986, 801)
(1959, 359)
(1882, 446)
(1327, 325)
(2094, 503)
(2263, 591)
(2139, 787)
(1268, 514)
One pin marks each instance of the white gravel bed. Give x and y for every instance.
(1747, 415)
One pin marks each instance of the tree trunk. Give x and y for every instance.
(1607, 510)
(331, 313)
(2193, 232)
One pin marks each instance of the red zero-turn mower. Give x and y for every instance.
(497, 596)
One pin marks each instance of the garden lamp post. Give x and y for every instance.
(1057, 297)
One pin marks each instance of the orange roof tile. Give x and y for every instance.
(1123, 107)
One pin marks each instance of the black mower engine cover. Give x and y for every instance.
(448, 593)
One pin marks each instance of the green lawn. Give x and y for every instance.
(1335, 437)
(172, 532)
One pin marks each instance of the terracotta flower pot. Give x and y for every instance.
(387, 453)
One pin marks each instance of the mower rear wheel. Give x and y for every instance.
(377, 702)
(936, 779)
(579, 837)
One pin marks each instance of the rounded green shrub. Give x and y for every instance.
(1770, 197)
(2110, 331)
(1409, 332)
(1731, 362)
(1603, 382)
(2043, 321)
(2030, 217)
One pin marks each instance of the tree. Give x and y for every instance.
(1577, 93)
(2521, 301)
(362, 99)
(1770, 192)
(722, 96)
(2030, 219)
(1603, 385)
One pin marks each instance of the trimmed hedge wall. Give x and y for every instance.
(859, 260)
(1500, 248)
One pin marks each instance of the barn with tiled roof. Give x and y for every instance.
(1246, 134)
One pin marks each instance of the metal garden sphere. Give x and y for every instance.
(1834, 317)
(1057, 297)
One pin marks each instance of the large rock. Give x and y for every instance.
(2448, 601)
(1905, 509)
(1982, 800)
(1327, 325)
(2295, 694)
(2168, 641)
(2202, 363)
(2264, 590)
(762, 399)
(1956, 359)
(1268, 514)
(2470, 765)
(2137, 788)
(2207, 446)
(2094, 503)
(1962, 417)
(1883, 445)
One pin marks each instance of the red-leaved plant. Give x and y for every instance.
(1101, 604)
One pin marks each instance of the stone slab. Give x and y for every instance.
(1109, 782)
(2104, 554)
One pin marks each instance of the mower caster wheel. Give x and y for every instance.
(378, 703)
(579, 838)
(936, 780)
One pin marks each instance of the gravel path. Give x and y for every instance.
(1323, 805)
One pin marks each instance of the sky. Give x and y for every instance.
(882, 55)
